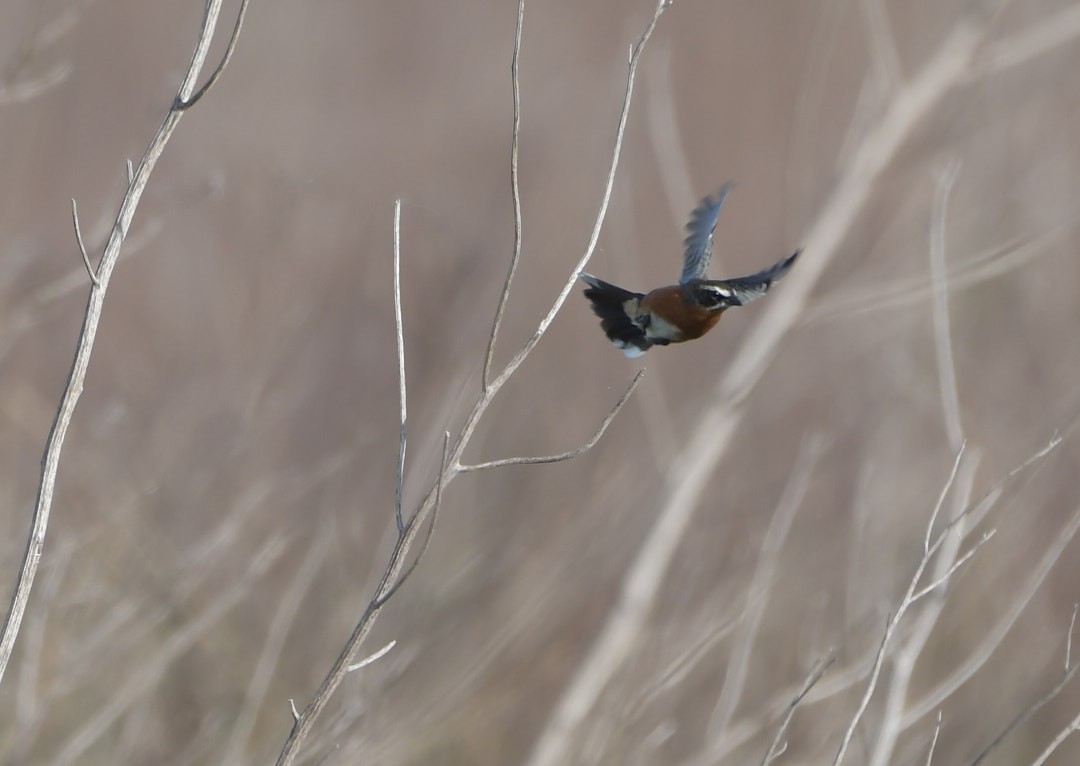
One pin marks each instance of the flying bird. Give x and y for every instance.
(635, 322)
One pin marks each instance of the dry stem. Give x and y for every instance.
(50, 461)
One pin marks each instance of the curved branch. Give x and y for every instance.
(50, 461)
(82, 244)
(392, 577)
(569, 454)
(515, 193)
(184, 104)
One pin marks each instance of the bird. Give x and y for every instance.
(635, 322)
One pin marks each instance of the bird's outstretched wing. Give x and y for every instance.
(746, 289)
(700, 235)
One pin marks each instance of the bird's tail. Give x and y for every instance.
(617, 309)
(746, 289)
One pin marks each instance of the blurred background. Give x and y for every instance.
(225, 502)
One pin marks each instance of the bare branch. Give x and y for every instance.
(950, 399)
(187, 103)
(440, 482)
(775, 749)
(952, 569)
(933, 741)
(941, 497)
(398, 325)
(719, 417)
(590, 248)
(1073, 726)
(515, 193)
(397, 571)
(907, 655)
(1035, 706)
(910, 597)
(570, 454)
(82, 244)
(50, 461)
(976, 658)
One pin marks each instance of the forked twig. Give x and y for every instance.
(569, 454)
(914, 593)
(440, 483)
(708, 441)
(397, 570)
(50, 461)
(594, 237)
(183, 104)
(515, 193)
(911, 596)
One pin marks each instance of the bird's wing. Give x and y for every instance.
(700, 235)
(746, 289)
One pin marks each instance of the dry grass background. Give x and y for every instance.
(225, 501)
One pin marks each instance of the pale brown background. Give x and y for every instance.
(243, 389)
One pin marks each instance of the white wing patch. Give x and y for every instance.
(721, 290)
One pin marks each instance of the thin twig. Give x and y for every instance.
(594, 237)
(815, 675)
(933, 741)
(82, 244)
(373, 657)
(50, 461)
(717, 421)
(941, 497)
(1035, 706)
(911, 648)
(393, 577)
(919, 594)
(187, 103)
(399, 327)
(515, 193)
(911, 596)
(1073, 726)
(975, 659)
(569, 454)
(440, 482)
